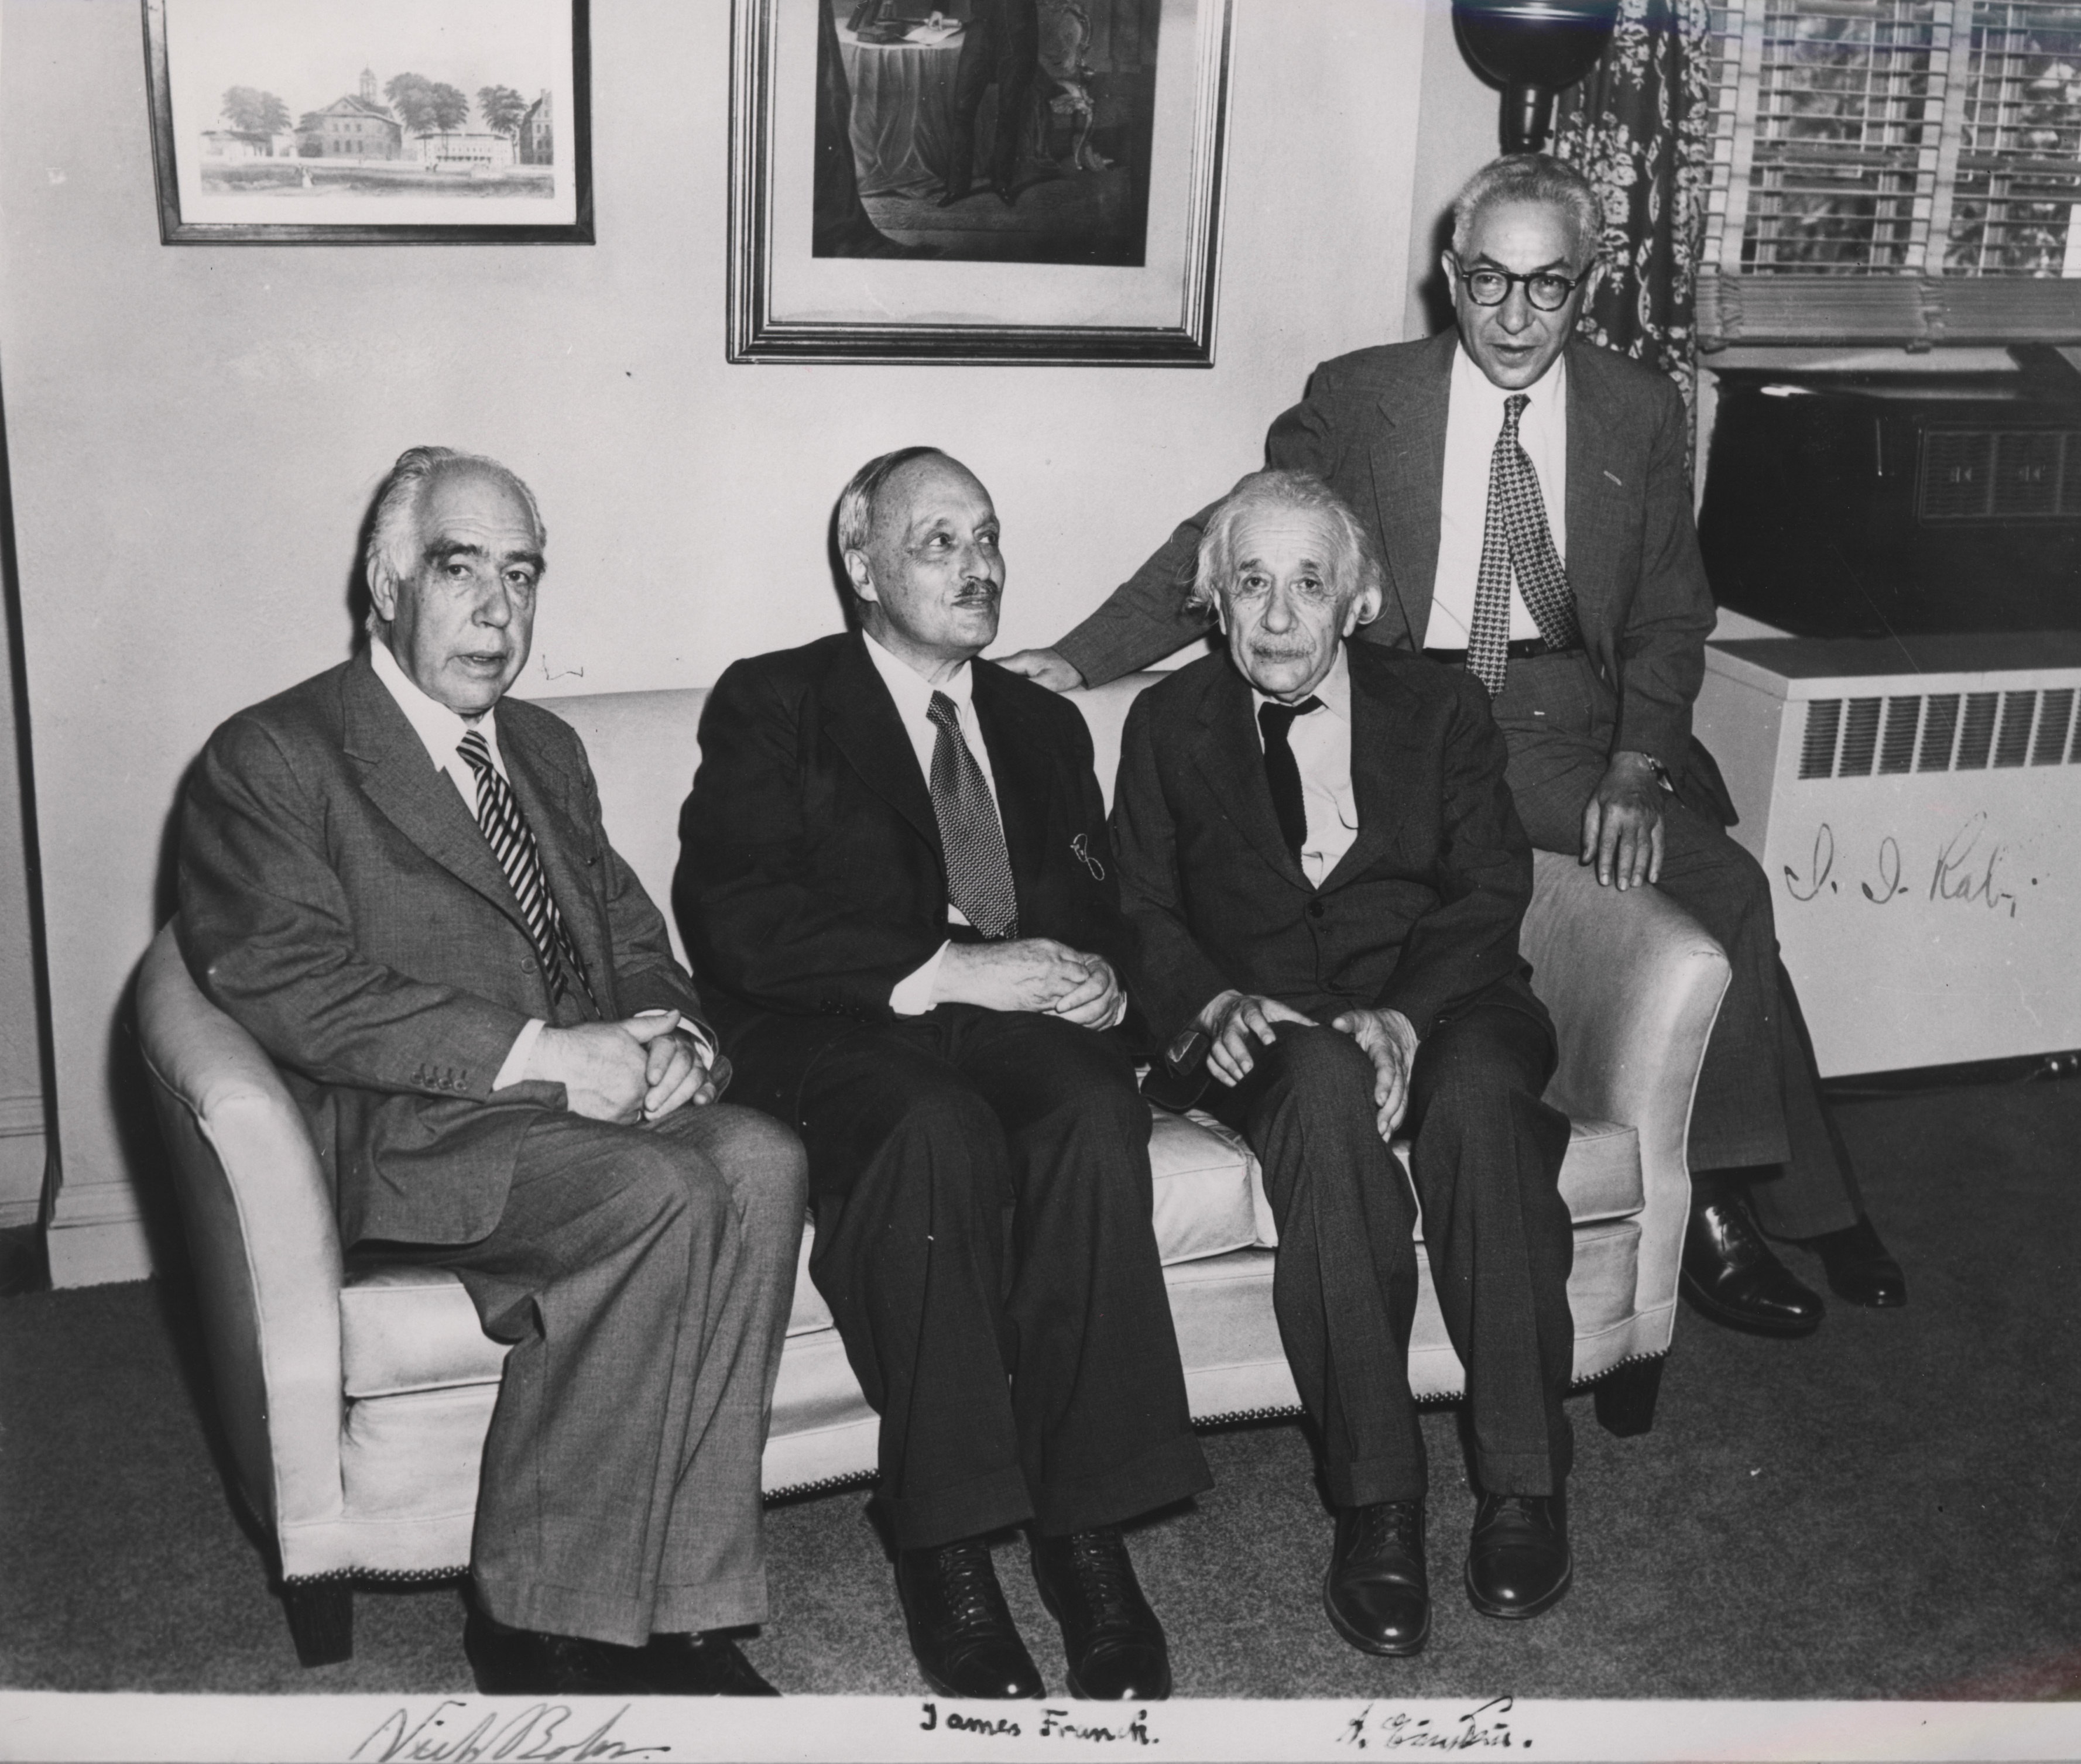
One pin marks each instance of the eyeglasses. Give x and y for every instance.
(1546, 290)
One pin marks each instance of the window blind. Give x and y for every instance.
(1893, 171)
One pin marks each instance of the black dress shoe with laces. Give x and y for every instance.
(706, 1664)
(1859, 1268)
(1114, 1643)
(1519, 1563)
(1377, 1591)
(963, 1635)
(530, 1663)
(1729, 1274)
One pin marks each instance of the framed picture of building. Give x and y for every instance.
(977, 180)
(384, 122)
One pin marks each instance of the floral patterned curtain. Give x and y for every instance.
(1640, 127)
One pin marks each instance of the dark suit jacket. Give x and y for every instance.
(811, 880)
(339, 901)
(1373, 424)
(1420, 915)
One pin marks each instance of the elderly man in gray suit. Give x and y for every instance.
(1528, 495)
(396, 879)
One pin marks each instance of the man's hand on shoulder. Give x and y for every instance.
(1622, 823)
(639, 1068)
(1030, 973)
(1389, 1040)
(1045, 666)
(1233, 1020)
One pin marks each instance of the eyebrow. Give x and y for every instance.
(1486, 261)
(440, 551)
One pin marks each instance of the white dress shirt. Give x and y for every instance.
(1321, 743)
(1474, 419)
(914, 994)
(441, 730)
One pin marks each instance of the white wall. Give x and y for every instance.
(195, 431)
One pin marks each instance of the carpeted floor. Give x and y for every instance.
(1891, 1509)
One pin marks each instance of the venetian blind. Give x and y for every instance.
(1894, 170)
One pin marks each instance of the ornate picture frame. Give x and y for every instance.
(882, 210)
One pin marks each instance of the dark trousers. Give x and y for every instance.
(1001, 46)
(1043, 1385)
(1486, 1158)
(1759, 1099)
(644, 1276)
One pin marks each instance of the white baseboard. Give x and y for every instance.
(97, 1252)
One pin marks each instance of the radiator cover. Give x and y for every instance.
(1916, 803)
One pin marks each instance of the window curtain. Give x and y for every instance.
(1640, 127)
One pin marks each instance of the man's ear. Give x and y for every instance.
(861, 574)
(1363, 611)
(383, 592)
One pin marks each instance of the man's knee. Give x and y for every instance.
(762, 1160)
(1478, 1065)
(1318, 1070)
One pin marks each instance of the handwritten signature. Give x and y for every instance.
(1054, 1724)
(1395, 1729)
(1964, 869)
(535, 1734)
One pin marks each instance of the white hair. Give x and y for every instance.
(1530, 177)
(393, 530)
(1352, 564)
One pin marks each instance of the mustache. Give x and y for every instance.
(975, 593)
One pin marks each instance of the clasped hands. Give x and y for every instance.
(1234, 1019)
(1031, 973)
(639, 1068)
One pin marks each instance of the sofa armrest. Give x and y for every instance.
(1634, 984)
(263, 1238)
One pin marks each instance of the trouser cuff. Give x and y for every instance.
(1170, 1472)
(1365, 1481)
(572, 1611)
(965, 1510)
(1518, 1472)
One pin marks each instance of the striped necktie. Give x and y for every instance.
(979, 868)
(505, 831)
(1515, 540)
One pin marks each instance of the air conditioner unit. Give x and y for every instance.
(1916, 803)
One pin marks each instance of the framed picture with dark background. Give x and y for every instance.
(977, 180)
(384, 122)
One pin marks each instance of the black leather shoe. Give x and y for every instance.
(1519, 1563)
(528, 1663)
(1731, 1275)
(965, 1639)
(1860, 1267)
(706, 1664)
(1114, 1643)
(1377, 1591)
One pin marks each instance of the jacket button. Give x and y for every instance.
(1314, 909)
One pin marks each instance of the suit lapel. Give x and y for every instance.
(1378, 733)
(1408, 464)
(861, 718)
(1021, 764)
(419, 800)
(1596, 488)
(1231, 760)
(569, 859)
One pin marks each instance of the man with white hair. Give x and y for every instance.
(1319, 852)
(1528, 495)
(396, 879)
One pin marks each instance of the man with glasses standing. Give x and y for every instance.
(1528, 495)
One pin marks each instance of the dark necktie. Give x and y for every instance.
(506, 831)
(1282, 771)
(1515, 540)
(978, 870)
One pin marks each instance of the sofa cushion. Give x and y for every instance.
(409, 1329)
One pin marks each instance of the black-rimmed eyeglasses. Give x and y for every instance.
(1548, 293)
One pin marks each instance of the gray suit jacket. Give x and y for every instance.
(1373, 424)
(337, 900)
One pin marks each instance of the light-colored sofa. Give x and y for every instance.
(355, 1408)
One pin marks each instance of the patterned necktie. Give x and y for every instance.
(505, 829)
(1515, 541)
(978, 870)
(1282, 771)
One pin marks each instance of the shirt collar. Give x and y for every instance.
(912, 691)
(438, 727)
(1334, 689)
(1548, 393)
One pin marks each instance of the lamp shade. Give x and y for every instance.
(1532, 48)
